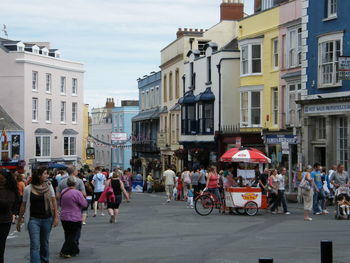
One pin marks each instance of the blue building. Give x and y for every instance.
(325, 92)
(122, 133)
(146, 158)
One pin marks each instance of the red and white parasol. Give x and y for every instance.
(248, 155)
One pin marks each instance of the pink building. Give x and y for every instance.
(44, 95)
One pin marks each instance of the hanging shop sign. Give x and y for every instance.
(119, 136)
(344, 68)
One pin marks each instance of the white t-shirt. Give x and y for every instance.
(169, 177)
(281, 181)
(99, 182)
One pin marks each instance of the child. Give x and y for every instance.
(190, 195)
(344, 204)
(179, 188)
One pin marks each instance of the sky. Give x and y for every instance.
(117, 41)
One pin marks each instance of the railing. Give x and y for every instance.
(145, 146)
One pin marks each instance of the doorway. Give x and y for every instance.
(320, 155)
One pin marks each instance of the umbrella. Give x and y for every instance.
(56, 165)
(245, 155)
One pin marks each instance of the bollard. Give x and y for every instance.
(265, 260)
(326, 251)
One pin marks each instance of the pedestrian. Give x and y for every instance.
(307, 193)
(129, 177)
(179, 187)
(190, 196)
(202, 182)
(213, 182)
(9, 199)
(89, 194)
(125, 180)
(20, 185)
(186, 180)
(319, 197)
(262, 180)
(195, 182)
(326, 191)
(169, 182)
(98, 182)
(340, 178)
(39, 208)
(273, 191)
(118, 188)
(281, 190)
(149, 183)
(257, 176)
(72, 202)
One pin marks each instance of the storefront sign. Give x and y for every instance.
(281, 138)
(119, 136)
(335, 107)
(344, 68)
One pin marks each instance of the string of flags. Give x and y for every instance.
(123, 145)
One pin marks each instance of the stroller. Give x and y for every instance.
(342, 198)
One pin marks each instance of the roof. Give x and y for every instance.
(147, 115)
(232, 45)
(70, 132)
(6, 122)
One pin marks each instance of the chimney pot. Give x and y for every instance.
(231, 10)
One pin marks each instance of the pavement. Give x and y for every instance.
(149, 230)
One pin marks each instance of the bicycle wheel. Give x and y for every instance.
(251, 208)
(204, 205)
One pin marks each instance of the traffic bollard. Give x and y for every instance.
(326, 251)
(265, 260)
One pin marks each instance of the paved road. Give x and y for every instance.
(149, 231)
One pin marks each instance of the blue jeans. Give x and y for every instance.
(39, 233)
(216, 192)
(318, 201)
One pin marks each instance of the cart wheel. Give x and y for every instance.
(251, 208)
(204, 205)
(240, 211)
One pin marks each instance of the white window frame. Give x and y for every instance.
(48, 110)
(249, 44)
(143, 101)
(74, 86)
(249, 91)
(151, 101)
(63, 85)
(275, 106)
(35, 49)
(35, 107)
(275, 53)
(20, 47)
(332, 6)
(35, 77)
(266, 4)
(48, 83)
(341, 146)
(42, 145)
(70, 146)
(74, 113)
(322, 40)
(294, 47)
(44, 51)
(297, 96)
(63, 111)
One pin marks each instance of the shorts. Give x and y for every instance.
(169, 190)
(128, 189)
(97, 196)
(116, 204)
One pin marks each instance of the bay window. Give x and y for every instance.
(294, 47)
(293, 110)
(188, 119)
(250, 108)
(206, 118)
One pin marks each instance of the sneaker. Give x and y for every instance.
(274, 212)
(287, 213)
(192, 206)
(325, 212)
(94, 215)
(65, 255)
(102, 214)
(317, 213)
(84, 223)
(308, 219)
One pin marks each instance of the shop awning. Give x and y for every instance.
(207, 95)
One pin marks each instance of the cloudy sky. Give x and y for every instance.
(117, 40)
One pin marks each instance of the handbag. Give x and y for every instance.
(305, 185)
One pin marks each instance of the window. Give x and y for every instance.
(48, 82)
(4, 150)
(294, 47)
(157, 97)
(274, 106)
(251, 59)
(266, 4)
(250, 109)
(63, 85)
(165, 89)
(332, 8)
(35, 80)
(63, 111)
(275, 53)
(42, 146)
(177, 84)
(192, 75)
(74, 86)
(147, 100)
(74, 112)
(35, 49)
(321, 128)
(201, 46)
(69, 145)
(34, 109)
(170, 86)
(293, 110)
(188, 118)
(343, 141)
(206, 118)
(209, 69)
(329, 50)
(48, 110)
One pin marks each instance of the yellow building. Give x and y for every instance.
(84, 160)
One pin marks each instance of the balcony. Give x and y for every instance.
(147, 146)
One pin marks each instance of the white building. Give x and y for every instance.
(43, 94)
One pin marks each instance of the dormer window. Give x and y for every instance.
(35, 49)
(57, 54)
(20, 47)
(45, 51)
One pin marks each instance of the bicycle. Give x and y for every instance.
(205, 203)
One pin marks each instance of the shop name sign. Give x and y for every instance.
(344, 68)
(327, 108)
(119, 136)
(280, 139)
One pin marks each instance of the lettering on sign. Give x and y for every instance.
(344, 68)
(327, 108)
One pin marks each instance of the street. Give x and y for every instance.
(150, 231)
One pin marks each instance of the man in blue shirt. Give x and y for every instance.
(319, 196)
(98, 181)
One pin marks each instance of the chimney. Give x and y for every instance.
(231, 10)
(110, 103)
(257, 6)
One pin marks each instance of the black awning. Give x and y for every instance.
(207, 95)
(69, 132)
(189, 98)
(42, 131)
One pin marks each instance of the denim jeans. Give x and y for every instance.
(4, 231)
(72, 232)
(318, 201)
(216, 192)
(282, 199)
(39, 234)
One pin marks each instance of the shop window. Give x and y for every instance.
(321, 128)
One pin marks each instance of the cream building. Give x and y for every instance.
(43, 93)
(173, 57)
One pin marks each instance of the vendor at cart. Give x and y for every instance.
(213, 182)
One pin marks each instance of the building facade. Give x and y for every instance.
(325, 89)
(49, 100)
(145, 151)
(121, 137)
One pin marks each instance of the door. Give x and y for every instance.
(320, 155)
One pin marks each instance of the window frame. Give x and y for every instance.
(342, 143)
(48, 111)
(203, 120)
(275, 106)
(69, 145)
(42, 146)
(64, 112)
(330, 4)
(266, 4)
(295, 121)
(186, 123)
(296, 48)
(275, 54)
(63, 86)
(74, 86)
(248, 45)
(248, 123)
(209, 72)
(75, 114)
(48, 83)
(35, 80)
(35, 109)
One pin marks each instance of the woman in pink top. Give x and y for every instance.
(213, 182)
(72, 202)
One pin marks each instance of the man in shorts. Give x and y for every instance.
(98, 181)
(169, 182)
